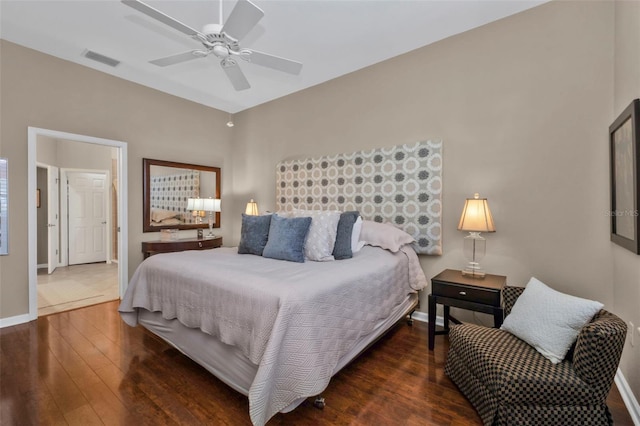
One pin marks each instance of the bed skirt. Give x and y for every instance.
(228, 364)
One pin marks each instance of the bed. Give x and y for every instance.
(273, 330)
(276, 330)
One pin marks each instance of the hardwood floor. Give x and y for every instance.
(86, 367)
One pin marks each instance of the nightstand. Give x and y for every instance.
(451, 288)
(154, 247)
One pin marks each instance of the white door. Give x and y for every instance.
(87, 217)
(53, 221)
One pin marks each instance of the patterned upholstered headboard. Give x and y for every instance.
(170, 192)
(401, 185)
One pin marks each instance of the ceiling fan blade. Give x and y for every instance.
(235, 74)
(271, 61)
(244, 16)
(162, 17)
(176, 59)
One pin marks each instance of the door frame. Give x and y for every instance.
(32, 237)
(64, 211)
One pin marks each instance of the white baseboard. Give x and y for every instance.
(424, 317)
(628, 397)
(42, 265)
(10, 321)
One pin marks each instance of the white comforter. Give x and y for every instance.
(293, 320)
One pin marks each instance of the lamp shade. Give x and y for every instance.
(210, 205)
(476, 216)
(252, 208)
(195, 204)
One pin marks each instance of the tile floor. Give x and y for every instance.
(76, 286)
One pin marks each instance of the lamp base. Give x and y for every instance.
(473, 270)
(210, 235)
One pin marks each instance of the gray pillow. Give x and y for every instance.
(254, 234)
(286, 238)
(342, 248)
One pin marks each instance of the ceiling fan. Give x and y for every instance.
(222, 41)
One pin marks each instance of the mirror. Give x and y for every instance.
(167, 187)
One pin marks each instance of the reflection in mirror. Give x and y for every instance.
(167, 187)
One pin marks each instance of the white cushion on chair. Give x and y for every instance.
(549, 320)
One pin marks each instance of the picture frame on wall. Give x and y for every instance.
(624, 154)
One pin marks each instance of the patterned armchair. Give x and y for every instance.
(510, 383)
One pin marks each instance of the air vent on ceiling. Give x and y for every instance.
(90, 54)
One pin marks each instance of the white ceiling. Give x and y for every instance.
(330, 37)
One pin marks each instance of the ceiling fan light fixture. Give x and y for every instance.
(221, 51)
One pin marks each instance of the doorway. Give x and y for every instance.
(76, 225)
(93, 240)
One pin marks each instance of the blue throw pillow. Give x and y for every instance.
(254, 234)
(342, 248)
(286, 238)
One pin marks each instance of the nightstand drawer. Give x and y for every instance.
(465, 292)
(154, 247)
(198, 245)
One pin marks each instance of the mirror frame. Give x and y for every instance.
(146, 198)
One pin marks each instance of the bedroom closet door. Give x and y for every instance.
(87, 217)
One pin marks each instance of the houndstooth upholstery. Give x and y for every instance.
(510, 383)
(509, 296)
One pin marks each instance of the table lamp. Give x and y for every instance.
(476, 218)
(211, 205)
(252, 208)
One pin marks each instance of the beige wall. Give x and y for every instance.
(42, 91)
(79, 155)
(523, 106)
(626, 265)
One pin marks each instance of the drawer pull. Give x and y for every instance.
(200, 245)
(463, 293)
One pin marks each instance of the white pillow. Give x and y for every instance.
(322, 233)
(384, 235)
(158, 215)
(548, 320)
(356, 244)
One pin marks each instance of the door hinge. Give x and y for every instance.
(56, 251)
